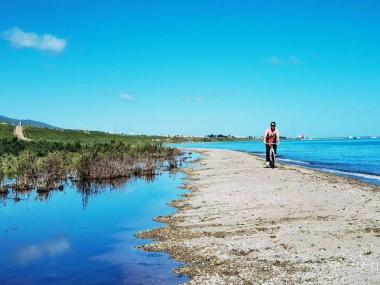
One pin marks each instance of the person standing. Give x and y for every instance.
(271, 138)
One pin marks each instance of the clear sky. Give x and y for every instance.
(193, 66)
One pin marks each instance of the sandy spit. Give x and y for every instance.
(242, 223)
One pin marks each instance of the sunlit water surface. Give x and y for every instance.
(77, 238)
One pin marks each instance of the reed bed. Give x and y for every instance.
(44, 166)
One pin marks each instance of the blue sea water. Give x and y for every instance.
(78, 236)
(356, 158)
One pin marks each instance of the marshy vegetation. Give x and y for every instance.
(83, 136)
(44, 165)
(89, 160)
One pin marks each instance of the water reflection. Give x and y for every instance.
(28, 253)
(89, 188)
(99, 244)
(136, 265)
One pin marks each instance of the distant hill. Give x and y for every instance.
(30, 123)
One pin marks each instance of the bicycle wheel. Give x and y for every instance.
(272, 158)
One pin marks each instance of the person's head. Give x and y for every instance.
(273, 125)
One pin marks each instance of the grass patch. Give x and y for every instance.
(83, 137)
(6, 131)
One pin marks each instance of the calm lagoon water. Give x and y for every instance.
(356, 158)
(72, 238)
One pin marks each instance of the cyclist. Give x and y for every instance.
(271, 138)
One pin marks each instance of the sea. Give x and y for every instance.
(357, 158)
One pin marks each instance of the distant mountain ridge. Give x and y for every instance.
(30, 123)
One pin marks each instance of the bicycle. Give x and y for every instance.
(272, 156)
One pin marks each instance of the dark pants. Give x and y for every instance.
(268, 151)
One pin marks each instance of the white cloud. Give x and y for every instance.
(294, 60)
(194, 99)
(275, 60)
(31, 252)
(46, 42)
(126, 96)
(198, 99)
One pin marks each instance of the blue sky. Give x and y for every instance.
(193, 67)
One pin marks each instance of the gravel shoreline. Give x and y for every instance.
(241, 223)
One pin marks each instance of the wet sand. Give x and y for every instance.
(242, 223)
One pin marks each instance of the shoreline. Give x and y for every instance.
(366, 178)
(349, 168)
(241, 223)
(352, 177)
